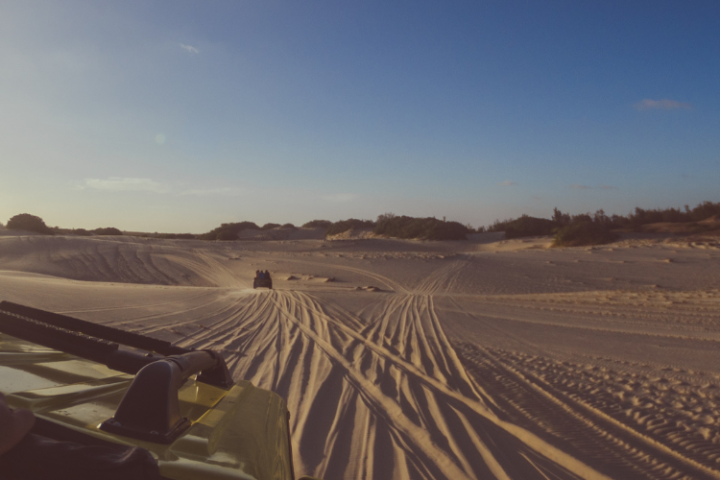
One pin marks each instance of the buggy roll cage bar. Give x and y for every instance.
(150, 408)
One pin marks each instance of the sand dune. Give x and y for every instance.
(418, 360)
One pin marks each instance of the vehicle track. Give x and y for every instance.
(573, 320)
(616, 448)
(389, 385)
(388, 282)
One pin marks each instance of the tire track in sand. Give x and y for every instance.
(612, 446)
(390, 402)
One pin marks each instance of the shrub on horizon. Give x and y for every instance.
(704, 211)
(31, 223)
(317, 224)
(176, 236)
(270, 226)
(289, 226)
(231, 228)
(632, 221)
(107, 231)
(349, 224)
(226, 235)
(499, 225)
(527, 226)
(420, 228)
(583, 233)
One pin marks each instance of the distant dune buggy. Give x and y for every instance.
(262, 280)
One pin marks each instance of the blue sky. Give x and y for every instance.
(177, 116)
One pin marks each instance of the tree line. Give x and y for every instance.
(580, 229)
(32, 223)
(633, 220)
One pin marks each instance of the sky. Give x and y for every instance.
(176, 116)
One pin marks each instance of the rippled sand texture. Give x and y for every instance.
(410, 360)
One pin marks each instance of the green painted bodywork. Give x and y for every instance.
(240, 433)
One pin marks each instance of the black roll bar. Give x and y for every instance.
(150, 408)
(93, 329)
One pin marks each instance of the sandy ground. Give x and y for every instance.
(418, 360)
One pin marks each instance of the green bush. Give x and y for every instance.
(583, 233)
(349, 224)
(31, 223)
(317, 224)
(227, 230)
(527, 226)
(107, 231)
(175, 236)
(499, 225)
(420, 228)
(226, 235)
(289, 226)
(270, 226)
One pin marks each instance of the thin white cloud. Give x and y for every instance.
(576, 186)
(190, 49)
(507, 183)
(222, 191)
(119, 184)
(340, 197)
(664, 104)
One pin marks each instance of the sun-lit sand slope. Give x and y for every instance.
(411, 360)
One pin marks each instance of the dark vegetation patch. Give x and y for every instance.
(582, 229)
(632, 221)
(583, 233)
(420, 228)
(30, 223)
(81, 232)
(594, 229)
(226, 235)
(168, 236)
(526, 226)
(176, 236)
(228, 231)
(317, 224)
(349, 224)
(107, 231)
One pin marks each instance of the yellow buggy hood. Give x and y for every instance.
(179, 405)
